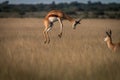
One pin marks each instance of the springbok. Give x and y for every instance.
(108, 39)
(53, 16)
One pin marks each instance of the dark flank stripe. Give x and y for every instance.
(53, 15)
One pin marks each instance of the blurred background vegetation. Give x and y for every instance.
(74, 9)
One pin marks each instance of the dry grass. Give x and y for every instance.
(80, 54)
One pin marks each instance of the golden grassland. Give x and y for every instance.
(80, 54)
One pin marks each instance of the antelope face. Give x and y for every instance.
(106, 39)
(76, 23)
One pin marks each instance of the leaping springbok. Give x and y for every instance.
(108, 39)
(53, 16)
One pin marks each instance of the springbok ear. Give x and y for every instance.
(110, 32)
(78, 21)
(107, 33)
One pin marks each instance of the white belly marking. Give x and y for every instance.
(53, 19)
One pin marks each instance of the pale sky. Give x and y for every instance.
(57, 1)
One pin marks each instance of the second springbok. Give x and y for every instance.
(53, 16)
(108, 39)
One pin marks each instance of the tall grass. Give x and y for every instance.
(80, 54)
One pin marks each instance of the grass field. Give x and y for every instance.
(80, 54)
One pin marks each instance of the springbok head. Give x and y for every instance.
(76, 22)
(108, 37)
